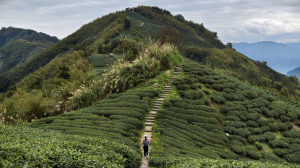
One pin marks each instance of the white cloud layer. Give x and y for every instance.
(234, 20)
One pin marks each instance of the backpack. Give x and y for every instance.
(145, 142)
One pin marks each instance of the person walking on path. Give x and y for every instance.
(146, 144)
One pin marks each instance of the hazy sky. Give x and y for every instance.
(234, 20)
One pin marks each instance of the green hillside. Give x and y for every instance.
(83, 101)
(11, 34)
(211, 115)
(18, 52)
(19, 45)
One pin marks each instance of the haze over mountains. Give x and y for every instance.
(280, 57)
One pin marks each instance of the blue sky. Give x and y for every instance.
(234, 20)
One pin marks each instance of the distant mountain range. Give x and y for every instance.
(19, 45)
(294, 44)
(280, 57)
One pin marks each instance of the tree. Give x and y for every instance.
(127, 24)
(100, 49)
(179, 17)
(64, 73)
(229, 45)
(172, 35)
(133, 32)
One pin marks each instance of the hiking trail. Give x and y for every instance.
(150, 119)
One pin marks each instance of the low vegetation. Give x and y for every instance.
(28, 147)
(215, 116)
(229, 62)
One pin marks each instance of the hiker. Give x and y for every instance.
(146, 144)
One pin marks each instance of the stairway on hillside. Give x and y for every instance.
(151, 116)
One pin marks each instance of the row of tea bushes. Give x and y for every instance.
(119, 118)
(252, 115)
(252, 119)
(28, 147)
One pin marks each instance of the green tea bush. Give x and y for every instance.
(269, 156)
(252, 116)
(256, 138)
(269, 136)
(193, 94)
(284, 118)
(255, 130)
(280, 152)
(293, 134)
(235, 124)
(252, 124)
(238, 138)
(232, 118)
(183, 87)
(33, 147)
(218, 98)
(238, 149)
(253, 154)
(258, 145)
(278, 144)
(294, 157)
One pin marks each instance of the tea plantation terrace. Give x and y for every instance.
(150, 119)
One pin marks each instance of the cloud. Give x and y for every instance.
(234, 20)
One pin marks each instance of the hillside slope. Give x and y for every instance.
(86, 38)
(280, 57)
(18, 52)
(11, 34)
(211, 115)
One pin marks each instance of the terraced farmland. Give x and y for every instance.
(211, 115)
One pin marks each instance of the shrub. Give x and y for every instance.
(225, 109)
(253, 154)
(232, 118)
(252, 116)
(182, 87)
(284, 118)
(292, 133)
(238, 149)
(252, 124)
(280, 152)
(282, 127)
(269, 156)
(293, 157)
(235, 124)
(265, 128)
(269, 136)
(218, 98)
(278, 144)
(255, 130)
(238, 138)
(256, 138)
(258, 145)
(193, 94)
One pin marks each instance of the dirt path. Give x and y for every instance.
(150, 119)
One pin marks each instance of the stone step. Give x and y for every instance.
(157, 102)
(163, 96)
(151, 115)
(156, 109)
(156, 106)
(153, 112)
(148, 130)
(160, 99)
(149, 120)
(148, 123)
